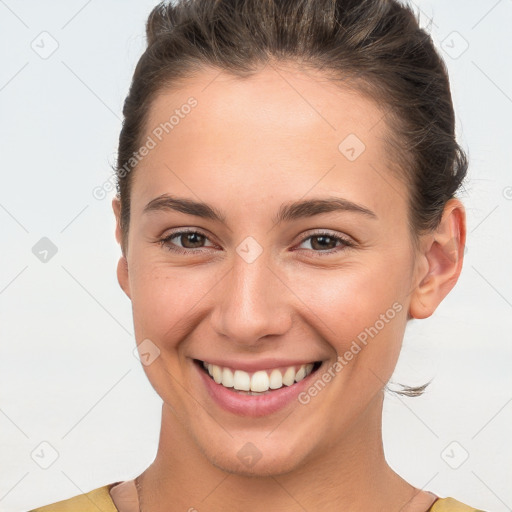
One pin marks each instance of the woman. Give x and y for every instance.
(286, 203)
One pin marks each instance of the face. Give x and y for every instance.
(255, 284)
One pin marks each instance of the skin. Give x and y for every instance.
(248, 147)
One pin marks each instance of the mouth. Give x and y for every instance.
(258, 383)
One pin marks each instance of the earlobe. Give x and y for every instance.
(122, 275)
(442, 257)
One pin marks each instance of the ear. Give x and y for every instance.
(122, 264)
(440, 261)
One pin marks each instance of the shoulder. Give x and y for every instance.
(451, 505)
(97, 499)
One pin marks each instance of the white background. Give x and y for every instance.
(68, 376)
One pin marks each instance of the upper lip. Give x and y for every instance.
(260, 364)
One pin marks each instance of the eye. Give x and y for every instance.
(322, 243)
(326, 243)
(191, 240)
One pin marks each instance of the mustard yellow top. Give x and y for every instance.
(100, 499)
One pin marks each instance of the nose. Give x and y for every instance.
(253, 303)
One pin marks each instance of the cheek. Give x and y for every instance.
(360, 311)
(352, 298)
(166, 300)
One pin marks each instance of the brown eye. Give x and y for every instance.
(184, 242)
(327, 243)
(191, 240)
(323, 242)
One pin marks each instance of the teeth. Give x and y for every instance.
(227, 378)
(217, 374)
(300, 374)
(289, 376)
(260, 381)
(276, 379)
(241, 380)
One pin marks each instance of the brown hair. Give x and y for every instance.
(373, 46)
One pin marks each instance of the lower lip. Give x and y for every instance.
(254, 405)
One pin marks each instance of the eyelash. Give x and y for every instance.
(166, 242)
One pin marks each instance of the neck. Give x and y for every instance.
(352, 475)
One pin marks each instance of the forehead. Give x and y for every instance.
(272, 99)
(296, 130)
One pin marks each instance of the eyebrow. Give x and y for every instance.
(287, 212)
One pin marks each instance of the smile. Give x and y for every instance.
(261, 381)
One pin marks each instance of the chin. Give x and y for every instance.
(263, 464)
(255, 453)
